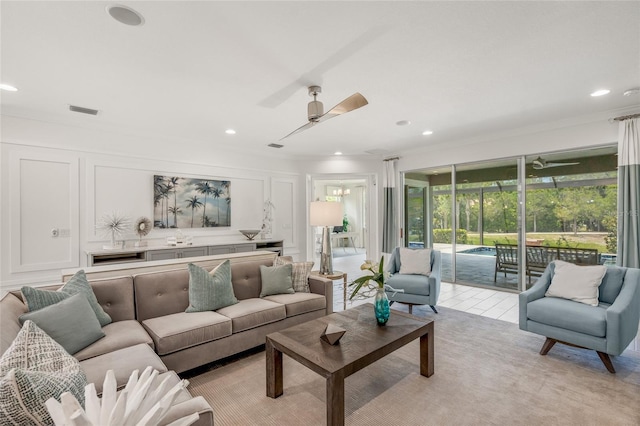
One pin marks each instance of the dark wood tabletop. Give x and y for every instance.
(363, 343)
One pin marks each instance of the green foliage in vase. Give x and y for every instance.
(378, 276)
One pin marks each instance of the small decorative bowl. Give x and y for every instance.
(250, 233)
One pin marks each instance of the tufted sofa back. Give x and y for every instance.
(115, 295)
(167, 292)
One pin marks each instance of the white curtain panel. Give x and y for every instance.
(629, 194)
(389, 222)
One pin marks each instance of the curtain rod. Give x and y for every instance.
(391, 159)
(626, 117)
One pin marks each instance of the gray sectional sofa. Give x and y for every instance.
(150, 327)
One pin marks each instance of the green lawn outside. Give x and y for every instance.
(590, 240)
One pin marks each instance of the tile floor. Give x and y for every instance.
(480, 301)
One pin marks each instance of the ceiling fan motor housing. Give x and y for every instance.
(315, 109)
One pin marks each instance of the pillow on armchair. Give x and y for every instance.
(577, 283)
(415, 262)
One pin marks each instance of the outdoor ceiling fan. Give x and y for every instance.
(539, 164)
(315, 109)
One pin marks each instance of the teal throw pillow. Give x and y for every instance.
(70, 322)
(34, 369)
(276, 280)
(209, 291)
(38, 299)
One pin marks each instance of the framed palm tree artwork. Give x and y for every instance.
(190, 203)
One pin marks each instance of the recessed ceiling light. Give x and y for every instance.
(427, 132)
(337, 153)
(230, 132)
(125, 15)
(403, 123)
(601, 92)
(631, 92)
(8, 88)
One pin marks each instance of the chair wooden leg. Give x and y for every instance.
(433, 308)
(548, 344)
(604, 357)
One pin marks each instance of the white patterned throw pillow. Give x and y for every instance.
(34, 369)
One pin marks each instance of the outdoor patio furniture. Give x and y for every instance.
(539, 257)
(418, 289)
(607, 328)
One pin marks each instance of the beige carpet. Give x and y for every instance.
(487, 372)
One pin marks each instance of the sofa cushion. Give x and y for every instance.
(122, 362)
(415, 261)
(34, 369)
(300, 272)
(171, 333)
(575, 282)
(38, 299)
(611, 283)
(250, 313)
(570, 315)
(118, 335)
(412, 284)
(70, 322)
(299, 303)
(209, 291)
(276, 279)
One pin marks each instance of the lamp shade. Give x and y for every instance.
(325, 213)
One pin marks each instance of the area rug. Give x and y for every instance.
(487, 372)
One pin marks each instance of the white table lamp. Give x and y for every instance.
(325, 214)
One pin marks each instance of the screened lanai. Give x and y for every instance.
(477, 216)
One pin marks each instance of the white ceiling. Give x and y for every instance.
(195, 69)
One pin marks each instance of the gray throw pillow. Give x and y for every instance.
(209, 291)
(276, 280)
(38, 299)
(70, 322)
(34, 369)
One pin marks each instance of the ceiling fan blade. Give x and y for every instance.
(301, 128)
(560, 164)
(353, 102)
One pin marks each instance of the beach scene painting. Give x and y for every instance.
(190, 203)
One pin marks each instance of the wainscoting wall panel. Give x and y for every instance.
(284, 198)
(44, 223)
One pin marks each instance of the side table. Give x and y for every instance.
(337, 275)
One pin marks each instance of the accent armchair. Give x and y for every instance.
(418, 289)
(607, 328)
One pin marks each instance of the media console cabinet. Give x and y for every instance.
(153, 253)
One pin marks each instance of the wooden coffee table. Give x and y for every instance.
(362, 344)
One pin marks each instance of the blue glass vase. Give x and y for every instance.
(381, 307)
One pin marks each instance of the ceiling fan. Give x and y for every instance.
(539, 164)
(315, 110)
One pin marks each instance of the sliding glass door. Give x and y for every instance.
(472, 213)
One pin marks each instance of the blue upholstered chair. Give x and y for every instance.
(418, 289)
(607, 328)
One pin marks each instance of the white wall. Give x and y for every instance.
(48, 165)
(547, 138)
(48, 183)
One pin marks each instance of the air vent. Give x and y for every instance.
(83, 110)
(275, 145)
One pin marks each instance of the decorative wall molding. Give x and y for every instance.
(31, 230)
